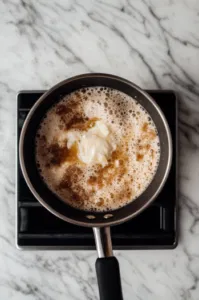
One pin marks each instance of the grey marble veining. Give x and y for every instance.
(152, 43)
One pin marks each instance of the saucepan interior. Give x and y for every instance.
(48, 198)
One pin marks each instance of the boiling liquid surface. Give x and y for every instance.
(97, 149)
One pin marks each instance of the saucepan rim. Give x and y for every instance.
(90, 223)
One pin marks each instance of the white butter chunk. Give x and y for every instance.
(95, 146)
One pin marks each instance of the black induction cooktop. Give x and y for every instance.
(155, 228)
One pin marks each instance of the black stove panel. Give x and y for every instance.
(155, 228)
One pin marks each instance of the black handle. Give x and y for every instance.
(108, 277)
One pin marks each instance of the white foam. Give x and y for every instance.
(134, 133)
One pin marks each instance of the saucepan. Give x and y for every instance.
(107, 267)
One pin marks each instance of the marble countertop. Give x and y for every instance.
(152, 43)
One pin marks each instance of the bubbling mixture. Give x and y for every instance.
(97, 149)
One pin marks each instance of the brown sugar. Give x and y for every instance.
(139, 156)
(145, 127)
(61, 154)
(106, 175)
(147, 132)
(75, 122)
(69, 183)
(62, 109)
(82, 123)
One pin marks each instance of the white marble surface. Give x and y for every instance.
(156, 45)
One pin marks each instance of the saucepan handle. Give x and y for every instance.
(108, 277)
(107, 267)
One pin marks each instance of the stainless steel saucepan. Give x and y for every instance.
(107, 267)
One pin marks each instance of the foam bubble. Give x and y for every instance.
(90, 187)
